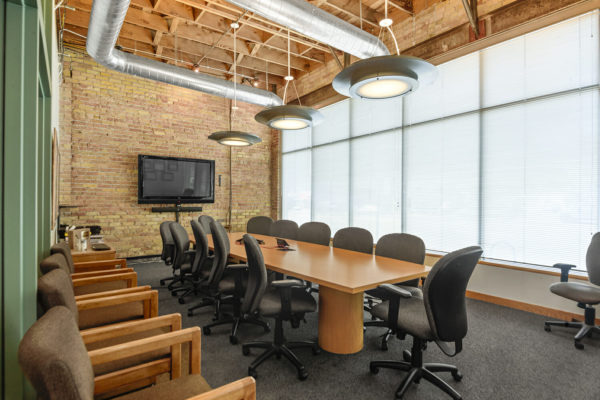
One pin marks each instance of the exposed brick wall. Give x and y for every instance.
(108, 118)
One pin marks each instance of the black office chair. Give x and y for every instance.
(284, 300)
(232, 284)
(183, 257)
(201, 264)
(400, 246)
(284, 229)
(260, 225)
(315, 232)
(584, 294)
(205, 221)
(440, 315)
(168, 247)
(355, 239)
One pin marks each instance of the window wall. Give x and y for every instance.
(501, 151)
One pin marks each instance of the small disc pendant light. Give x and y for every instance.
(231, 137)
(289, 117)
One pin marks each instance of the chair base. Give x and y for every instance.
(585, 328)
(418, 370)
(235, 323)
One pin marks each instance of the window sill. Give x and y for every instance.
(538, 269)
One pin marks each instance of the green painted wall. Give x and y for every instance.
(25, 148)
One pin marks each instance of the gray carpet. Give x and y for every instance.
(506, 355)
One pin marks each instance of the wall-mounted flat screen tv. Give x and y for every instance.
(172, 180)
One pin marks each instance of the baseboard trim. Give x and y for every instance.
(532, 308)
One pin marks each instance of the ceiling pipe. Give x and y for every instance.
(302, 17)
(106, 20)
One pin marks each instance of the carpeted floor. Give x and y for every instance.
(506, 355)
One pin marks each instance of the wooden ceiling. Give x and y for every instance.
(197, 32)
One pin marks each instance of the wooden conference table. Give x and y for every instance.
(342, 276)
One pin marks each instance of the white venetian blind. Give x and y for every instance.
(336, 125)
(295, 140)
(330, 195)
(442, 182)
(540, 179)
(370, 116)
(376, 183)
(296, 186)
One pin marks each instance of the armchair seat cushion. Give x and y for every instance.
(178, 389)
(580, 292)
(412, 317)
(301, 302)
(110, 315)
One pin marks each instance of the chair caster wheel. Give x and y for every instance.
(181, 300)
(278, 355)
(174, 294)
(233, 340)
(245, 351)
(267, 329)
(316, 350)
(547, 328)
(162, 283)
(457, 376)
(252, 373)
(206, 330)
(579, 345)
(406, 356)
(374, 370)
(384, 345)
(302, 374)
(190, 313)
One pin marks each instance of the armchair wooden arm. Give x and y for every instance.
(242, 389)
(129, 277)
(174, 340)
(93, 335)
(86, 266)
(78, 275)
(148, 297)
(110, 293)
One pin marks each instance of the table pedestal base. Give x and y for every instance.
(340, 321)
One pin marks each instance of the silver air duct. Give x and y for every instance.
(106, 20)
(302, 17)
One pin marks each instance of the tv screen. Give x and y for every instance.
(175, 180)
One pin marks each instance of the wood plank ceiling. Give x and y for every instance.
(197, 33)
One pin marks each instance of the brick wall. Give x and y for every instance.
(108, 118)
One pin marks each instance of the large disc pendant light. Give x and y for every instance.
(231, 137)
(386, 76)
(289, 117)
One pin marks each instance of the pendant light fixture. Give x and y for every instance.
(289, 117)
(231, 137)
(384, 77)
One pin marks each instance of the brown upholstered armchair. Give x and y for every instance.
(55, 360)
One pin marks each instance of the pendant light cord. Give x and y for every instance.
(288, 54)
(235, 69)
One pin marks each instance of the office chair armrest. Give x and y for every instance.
(242, 389)
(564, 270)
(396, 291)
(148, 297)
(173, 340)
(237, 267)
(129, 277)
(92, 335)
(284, 283)
(100, 265)
(110, 293)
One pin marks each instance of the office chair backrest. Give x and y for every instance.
(64, 249)
(201, 245)
(260, 225)
(401, 246)
(56, 289)
(284, 229)
(257, 275)
(355, 239)
(167, 242)
(181, 239)
(54, 359)
(55, 261)
(221, 251)
(444, 293)
(205, 221)
(315, 232)
(592, 260)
